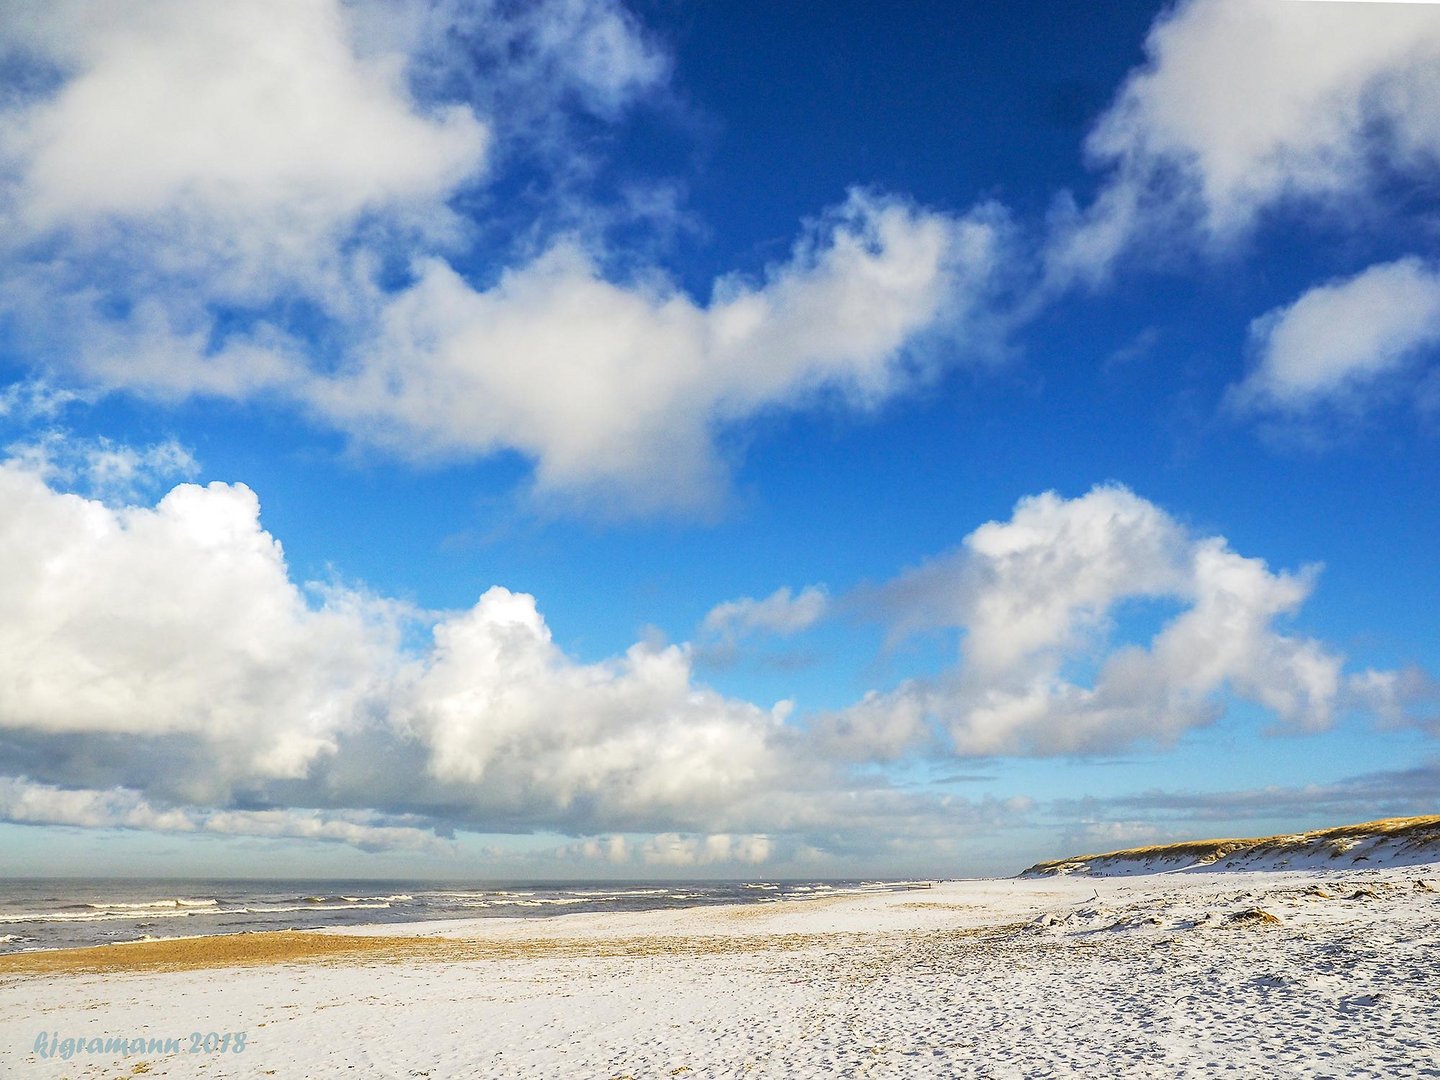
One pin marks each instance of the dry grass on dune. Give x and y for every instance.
(1422, 830)
(1393, 827)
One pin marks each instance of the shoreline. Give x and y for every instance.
(47, 915)
(967, 906)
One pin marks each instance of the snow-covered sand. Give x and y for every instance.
(1165, 975)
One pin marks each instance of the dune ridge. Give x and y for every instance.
(1405, 841)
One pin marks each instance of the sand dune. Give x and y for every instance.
(1390, 842)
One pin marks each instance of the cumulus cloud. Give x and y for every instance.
(188, 190)
(619, 391)
(230, 141)
(174, 620)
(1339, 340)
(159, 668)
(1040, 595)
(879, 727)
(176, 629)
(1111, 835)
(1244, 104)
(510, 719)
(1036, 584)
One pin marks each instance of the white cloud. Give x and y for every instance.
(240, 138)
(165, 650)
(359, 829)
(1339, 339)
(618, 392)
(1038, 583)
(878, 727)
(159, 669)
(1041, 593)
(171, 172)
(44, 804)
(1244, 104)
(596, 48)
(176, 620)
(674, 850)
(781, 613)
(505, 714)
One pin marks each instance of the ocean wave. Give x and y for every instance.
(145, 905)
(148, 912)
(233, 907)
(109, 916)
(270, 909)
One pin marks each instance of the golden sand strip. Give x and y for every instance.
(231, 950)
(299, 947)
(288, 946)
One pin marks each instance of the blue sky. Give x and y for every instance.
(467, 439)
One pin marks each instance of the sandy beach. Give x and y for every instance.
(1300, 973)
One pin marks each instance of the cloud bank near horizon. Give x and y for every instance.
(161, 669)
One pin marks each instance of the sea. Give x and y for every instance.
(58, 913)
